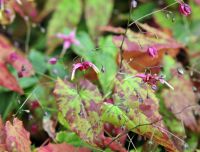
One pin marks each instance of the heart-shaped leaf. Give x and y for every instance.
(80, 105)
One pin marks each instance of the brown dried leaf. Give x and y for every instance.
(136, 44)
(182, 101)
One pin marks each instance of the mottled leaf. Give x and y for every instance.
(81, 108)
(137, 109)
(61, 148)
(9, 55)
(182, 102)
(97, 13)
(13, 137)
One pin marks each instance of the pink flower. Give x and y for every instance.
(68, 39)
(184, 9)
(83, 66)
(52, 60)
(152, 52)
(153, 79)
(13, 56)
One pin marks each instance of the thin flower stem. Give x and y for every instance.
(157, 11)
(135, 22)
(124, 35)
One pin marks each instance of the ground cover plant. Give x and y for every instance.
(99, 75)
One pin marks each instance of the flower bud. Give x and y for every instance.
(185, 9)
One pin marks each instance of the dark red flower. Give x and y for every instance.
(185, 9)
(83, 66)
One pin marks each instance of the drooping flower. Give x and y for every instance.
(52, 60)
(68, 40)
(153, 79)
(152, 51)
(83, 66)
(185, 9)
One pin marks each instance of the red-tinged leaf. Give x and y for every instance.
(13, 137)
(25, 9)
(182, 101)
(62, 148)
(137, 110)
(81, 108)
(17, 138)
(9, 55)
(136, 45)
(8, 80)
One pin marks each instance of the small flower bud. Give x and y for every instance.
(152, 52)
(52, 60)
(185, 9)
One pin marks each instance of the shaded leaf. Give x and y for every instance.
(97, 13)
(9, 55)
(81, 108)
(61, 148)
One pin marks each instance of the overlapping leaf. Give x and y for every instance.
(13, 137)
(81, 108)
(137, 110)
(9, 55)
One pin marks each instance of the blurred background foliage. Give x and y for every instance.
(98, 25)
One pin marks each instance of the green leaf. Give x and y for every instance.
(81, 108)
(142, 10)
(106, 51)
(38, 61)
(70, 138)
(97, 13)
(66, 15)
(26, 82)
